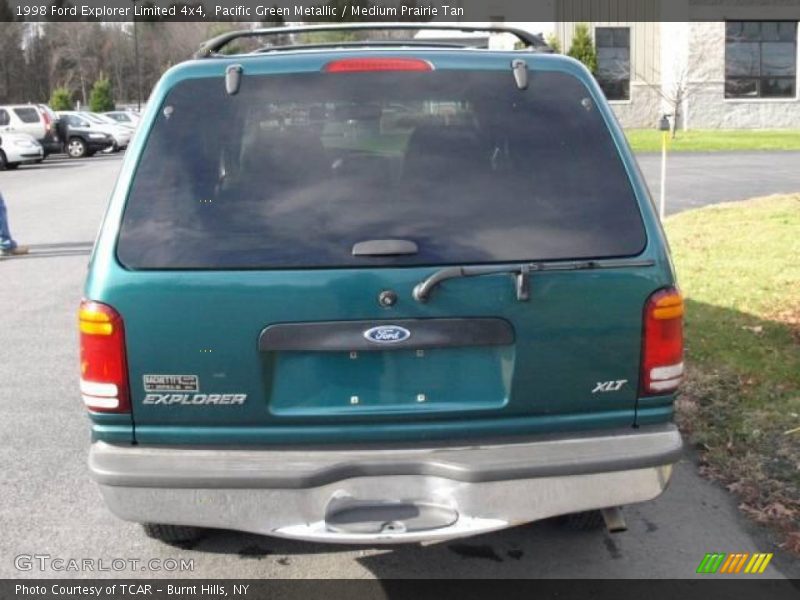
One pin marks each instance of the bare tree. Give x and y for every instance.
(10, 70)
(78, 47)
(674, 94)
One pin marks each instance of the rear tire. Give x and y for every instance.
(173, 534)
(76, 148)
(591, 520)
(3, 161)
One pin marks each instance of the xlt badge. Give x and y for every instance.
(609, 386)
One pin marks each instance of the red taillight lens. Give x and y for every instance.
(360, 65)
(662, 351)
(104, 370)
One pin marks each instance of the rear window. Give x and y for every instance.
(294, 170)
(27, 115)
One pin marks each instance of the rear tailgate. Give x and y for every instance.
(544, 379)
(252, 316)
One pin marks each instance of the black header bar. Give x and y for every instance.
(476, 11)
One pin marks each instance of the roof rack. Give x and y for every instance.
(400, 43)
(212, 47)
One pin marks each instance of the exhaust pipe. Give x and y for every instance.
(614, 519)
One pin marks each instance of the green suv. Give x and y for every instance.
(378, 291)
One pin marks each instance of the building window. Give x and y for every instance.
(614, 61)
(760, 59)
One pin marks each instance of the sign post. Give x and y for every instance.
(663, 126)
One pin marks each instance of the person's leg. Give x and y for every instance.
(8, 247)
(6, 241)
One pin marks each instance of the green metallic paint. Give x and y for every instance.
(578, 328)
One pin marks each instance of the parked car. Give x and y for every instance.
(18, 149)
(129, 128)
(121, 135)
(52, 144)
(81, 138)
(464, 323)
(33, 120)
(128, 118)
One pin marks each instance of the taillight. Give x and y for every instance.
(360, 65)
(47, 121)
(104, 370)
(662, 347)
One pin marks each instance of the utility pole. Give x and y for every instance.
(136, 60)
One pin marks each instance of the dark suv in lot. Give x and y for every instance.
(80, 139)
(378, 292)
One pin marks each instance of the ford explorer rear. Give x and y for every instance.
(379, 294)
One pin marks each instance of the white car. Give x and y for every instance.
(126, 118)
(18, 148)
(121, 135)
(36, 120)
(22, 118)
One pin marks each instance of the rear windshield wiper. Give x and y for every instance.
(521, 272)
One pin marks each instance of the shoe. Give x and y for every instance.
(16, 251)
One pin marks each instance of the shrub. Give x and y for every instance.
(582, 47)
(61, 99)
(553, 41)
(101, 100)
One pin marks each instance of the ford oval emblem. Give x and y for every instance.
(387, 334)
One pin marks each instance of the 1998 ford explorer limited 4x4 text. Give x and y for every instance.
(378, 292)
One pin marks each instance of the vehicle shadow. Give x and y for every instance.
(497, 554)
(547, 548)
(54, 250)
(51, 164)
(62, 161)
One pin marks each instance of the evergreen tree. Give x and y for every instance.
(582, 47)
(101, 99)
(61, 99)
(554, 43)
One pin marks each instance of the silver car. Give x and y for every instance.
(18, 148)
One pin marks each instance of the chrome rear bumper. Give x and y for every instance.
(399, 494)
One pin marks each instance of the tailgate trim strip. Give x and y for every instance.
(349, 336)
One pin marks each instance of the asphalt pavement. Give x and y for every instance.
(48, 505)
(695, 179)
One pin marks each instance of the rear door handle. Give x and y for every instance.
(384, 248)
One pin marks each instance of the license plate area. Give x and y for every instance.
(392, 382)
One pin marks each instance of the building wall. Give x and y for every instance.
(644, 106)
(706, 105)
(643, 109)
(645, 44)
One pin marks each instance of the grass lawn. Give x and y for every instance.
(649, 140)
(739, 267)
